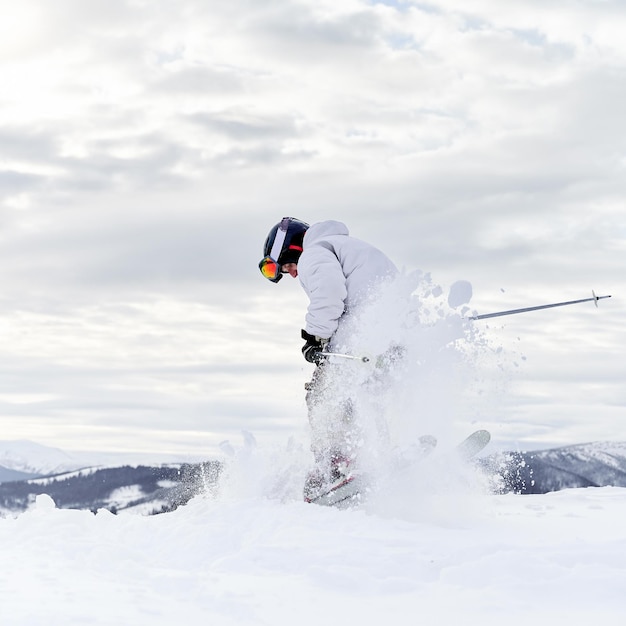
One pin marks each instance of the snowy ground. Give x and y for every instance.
(456, 558)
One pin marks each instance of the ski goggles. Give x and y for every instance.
(270, 269)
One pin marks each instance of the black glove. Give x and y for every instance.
(313, 347)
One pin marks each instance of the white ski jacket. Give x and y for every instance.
(337, 271)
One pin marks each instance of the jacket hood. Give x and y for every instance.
(324, 229)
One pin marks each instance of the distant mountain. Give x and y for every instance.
(92, 481)
(141, 489)
(7, 475)
(151, 489)
(33, 458)
(584, 465)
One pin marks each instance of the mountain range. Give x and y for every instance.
(92, 481)
(156, 488)
(598, 464)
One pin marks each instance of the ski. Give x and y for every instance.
(473, 444)
(342, 494)
(348, 492)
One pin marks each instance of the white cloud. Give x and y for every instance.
(145, 154)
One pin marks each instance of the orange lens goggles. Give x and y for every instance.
(270, 269)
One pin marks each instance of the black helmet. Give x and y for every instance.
(283, 245)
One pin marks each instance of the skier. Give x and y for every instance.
(339, 273)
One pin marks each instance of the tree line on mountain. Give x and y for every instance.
(169, 485)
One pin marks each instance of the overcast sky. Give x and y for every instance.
(146, 148)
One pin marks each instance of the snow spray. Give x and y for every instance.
(416, 372)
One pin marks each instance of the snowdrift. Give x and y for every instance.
(488, 560)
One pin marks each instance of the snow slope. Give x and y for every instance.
(448, 556)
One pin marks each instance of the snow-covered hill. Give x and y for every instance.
(596, 464)
(455, 558)
(438, 547)
(30, 457)
(33, 458)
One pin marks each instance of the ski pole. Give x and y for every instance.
(363, 359)
(594, 299)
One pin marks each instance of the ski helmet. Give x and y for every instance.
(283, 245)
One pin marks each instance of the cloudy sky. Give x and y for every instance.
(146, 148)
